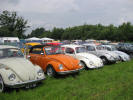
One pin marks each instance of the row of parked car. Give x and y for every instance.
(19, 71)
(125, 47)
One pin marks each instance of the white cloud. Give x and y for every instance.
(64, 13)
(46, 6)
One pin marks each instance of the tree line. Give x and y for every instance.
(122, 32)
(13, 25)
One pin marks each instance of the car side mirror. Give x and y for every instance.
(28, 57)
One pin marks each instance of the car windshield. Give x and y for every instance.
(29, 46)
(80, 49)
(90, 48)
(112, 48)
(10, 52)
(53, 50)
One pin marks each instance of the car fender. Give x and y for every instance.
(5, 73)
(106, 56)
(85, 60)
(54, 64)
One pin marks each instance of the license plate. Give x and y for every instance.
(30, 85)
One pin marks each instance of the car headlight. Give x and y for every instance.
(60, 66)
(12, 77)
(91, 63)
(125, 58)
(40, 72)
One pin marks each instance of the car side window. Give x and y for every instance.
(69, 50)
(36, 50)
(1, 53)
(90, 48)
(108, 48)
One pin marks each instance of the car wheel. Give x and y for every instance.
(2, 87)
(84, 65)
(104, 59)
(121, 59)
(50, 71)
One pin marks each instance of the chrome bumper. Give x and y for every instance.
(96, 67)
(69, 72)
(30, 83)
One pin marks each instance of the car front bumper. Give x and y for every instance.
(95, 67)
(31, 83)
(69, 72)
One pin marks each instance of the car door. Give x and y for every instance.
(44, 59)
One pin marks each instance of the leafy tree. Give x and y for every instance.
(57, 33)
(37, 32)
(12, 25)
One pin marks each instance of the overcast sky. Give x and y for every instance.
(65, 13)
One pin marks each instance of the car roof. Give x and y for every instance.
(45, 45)
(72, 45)
(107, 45)
(33, 43)
(6, 46)
(87, 44)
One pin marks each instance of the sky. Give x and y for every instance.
(68, 13)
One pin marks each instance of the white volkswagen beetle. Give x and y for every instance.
(16, 71)
(79, 52)
(106, 56)
(123, 56)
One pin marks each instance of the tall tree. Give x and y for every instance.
(12, 25)
(57, 33)
(37, 32)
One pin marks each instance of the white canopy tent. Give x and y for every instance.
(45, 39)
(33, 39)
(9, 39)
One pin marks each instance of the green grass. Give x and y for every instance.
(113, 82)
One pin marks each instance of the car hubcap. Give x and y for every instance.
(83, 64)
(49, 72)
(104, 60)
(1, 84)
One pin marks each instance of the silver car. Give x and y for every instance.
(124, 56)
(106, 56)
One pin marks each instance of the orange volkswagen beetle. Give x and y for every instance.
(52, 60)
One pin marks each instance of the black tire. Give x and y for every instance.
(84, 65)
(50, 71)
(2, 86)
(105, 60)
(121, 59)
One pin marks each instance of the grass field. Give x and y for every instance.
(113, 82)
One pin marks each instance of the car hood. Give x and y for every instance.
(68, 61)
(23, 68)
(89, 56)
(122, 54)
